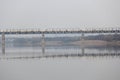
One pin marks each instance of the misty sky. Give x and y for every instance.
(59, 13)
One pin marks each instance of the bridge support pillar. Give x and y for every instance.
(82, 36)
(82, 45)
(43, 43)
(3, 43)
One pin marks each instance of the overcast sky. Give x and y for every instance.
(59, 13)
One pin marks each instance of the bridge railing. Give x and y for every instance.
(38, 31)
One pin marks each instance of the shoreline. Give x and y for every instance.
(96, 43)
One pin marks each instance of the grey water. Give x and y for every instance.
(60, 68)
(30, 63)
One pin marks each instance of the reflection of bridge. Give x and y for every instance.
(65, 55)
(43, 32)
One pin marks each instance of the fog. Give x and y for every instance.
(59, 13)
(25, 64)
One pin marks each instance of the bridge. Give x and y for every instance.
(53, 31)
(43, 32)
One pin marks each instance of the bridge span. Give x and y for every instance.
(38, 31)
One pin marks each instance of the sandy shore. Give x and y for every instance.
(96, 43)
(84, 43)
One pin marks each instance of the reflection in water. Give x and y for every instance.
(60, 63)
(59, 51)
(71, 68)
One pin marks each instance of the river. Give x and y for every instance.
(27, 66)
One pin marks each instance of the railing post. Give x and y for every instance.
(3, 43)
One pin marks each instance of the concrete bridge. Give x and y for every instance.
(53, 31)
(43, 32)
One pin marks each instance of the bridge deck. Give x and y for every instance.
(56, 31)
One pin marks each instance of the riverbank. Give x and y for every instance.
(96, 43)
